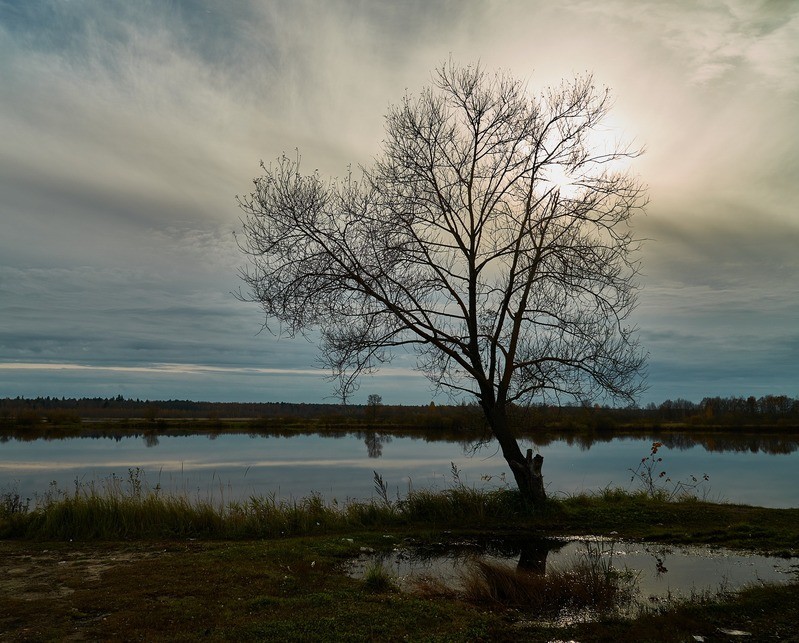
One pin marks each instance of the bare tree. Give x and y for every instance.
(491, 237)
(373, 403)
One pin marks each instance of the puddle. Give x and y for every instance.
(662, 572)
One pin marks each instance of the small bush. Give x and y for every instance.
(657, 484)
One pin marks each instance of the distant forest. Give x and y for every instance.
(768, 410)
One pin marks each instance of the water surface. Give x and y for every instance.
(751, 470)
(659, 572)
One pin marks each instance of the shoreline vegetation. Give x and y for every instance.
(121, 560)
(128, 509)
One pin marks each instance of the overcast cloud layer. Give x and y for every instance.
(128, 127)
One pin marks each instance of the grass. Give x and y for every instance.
(127, 510)
(91, 515)
(119, 509)
(378, 579)
(121, 561)
(289, 590)
(685, 521)
(294, 590)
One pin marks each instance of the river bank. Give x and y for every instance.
(201, 575)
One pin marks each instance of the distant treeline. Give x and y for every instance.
(772, 410)
(22, 411)
(120, 407)
(767, 407)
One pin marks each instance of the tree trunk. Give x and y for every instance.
(526, 469)
(529, 478)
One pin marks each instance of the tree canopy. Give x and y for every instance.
(490, 236)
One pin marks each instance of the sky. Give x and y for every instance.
(128, 127)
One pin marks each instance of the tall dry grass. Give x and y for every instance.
(120, 508)
(591, 583)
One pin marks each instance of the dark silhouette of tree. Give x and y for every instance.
(491, 237)
(373, 404)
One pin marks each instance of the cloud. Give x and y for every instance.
(181, 369)
(717, 40)
(128, 127)
(727, 246)
(199, 382)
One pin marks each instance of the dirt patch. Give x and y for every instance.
(30, 575)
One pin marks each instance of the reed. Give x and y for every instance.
(103, 516)
(118, 508)
(476, 506)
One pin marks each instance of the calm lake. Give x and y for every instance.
(757, 470)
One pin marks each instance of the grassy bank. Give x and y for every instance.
(126, 510)
(296, 590)
(129, 563)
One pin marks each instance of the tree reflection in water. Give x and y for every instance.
(374, 443)
(533, 555)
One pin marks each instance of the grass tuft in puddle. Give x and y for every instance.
(581, 587)
(379, 580)
(588, 584)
